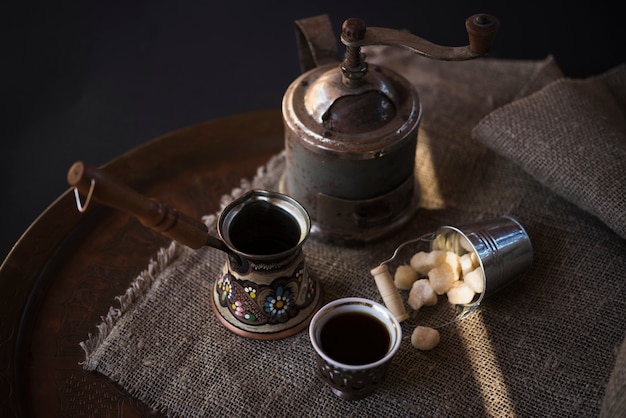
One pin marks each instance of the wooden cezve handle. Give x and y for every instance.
(157, 215)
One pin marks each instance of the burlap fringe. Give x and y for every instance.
(142, 284)
(137, 290)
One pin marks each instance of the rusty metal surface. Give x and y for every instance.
(66, 270)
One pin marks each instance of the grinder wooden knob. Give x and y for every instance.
(481, 30)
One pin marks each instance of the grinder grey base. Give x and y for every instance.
(346, 224)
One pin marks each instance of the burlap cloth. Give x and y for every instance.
(497, 138)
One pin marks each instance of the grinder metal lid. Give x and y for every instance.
(365, 121)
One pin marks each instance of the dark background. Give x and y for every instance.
(90, 80)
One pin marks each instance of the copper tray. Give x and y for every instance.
(65, 271)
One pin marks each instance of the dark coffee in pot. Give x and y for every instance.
(261, 228)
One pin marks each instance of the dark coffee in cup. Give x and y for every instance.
(355, 338)
(354, 341)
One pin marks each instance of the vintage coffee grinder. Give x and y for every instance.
(351, 128)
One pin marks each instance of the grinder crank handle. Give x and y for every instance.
(106, 189)
(481, 30)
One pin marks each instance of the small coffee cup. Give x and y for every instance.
(355, 340)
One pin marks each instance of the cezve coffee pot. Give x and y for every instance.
(265, 290)
(351, 128)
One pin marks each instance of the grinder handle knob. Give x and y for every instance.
(107, 190)
(481, 30)
(389, 292)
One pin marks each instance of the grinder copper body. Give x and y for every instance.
(351, 129)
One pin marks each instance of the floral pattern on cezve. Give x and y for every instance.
(255, 304)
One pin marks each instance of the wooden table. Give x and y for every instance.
(64, 273)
